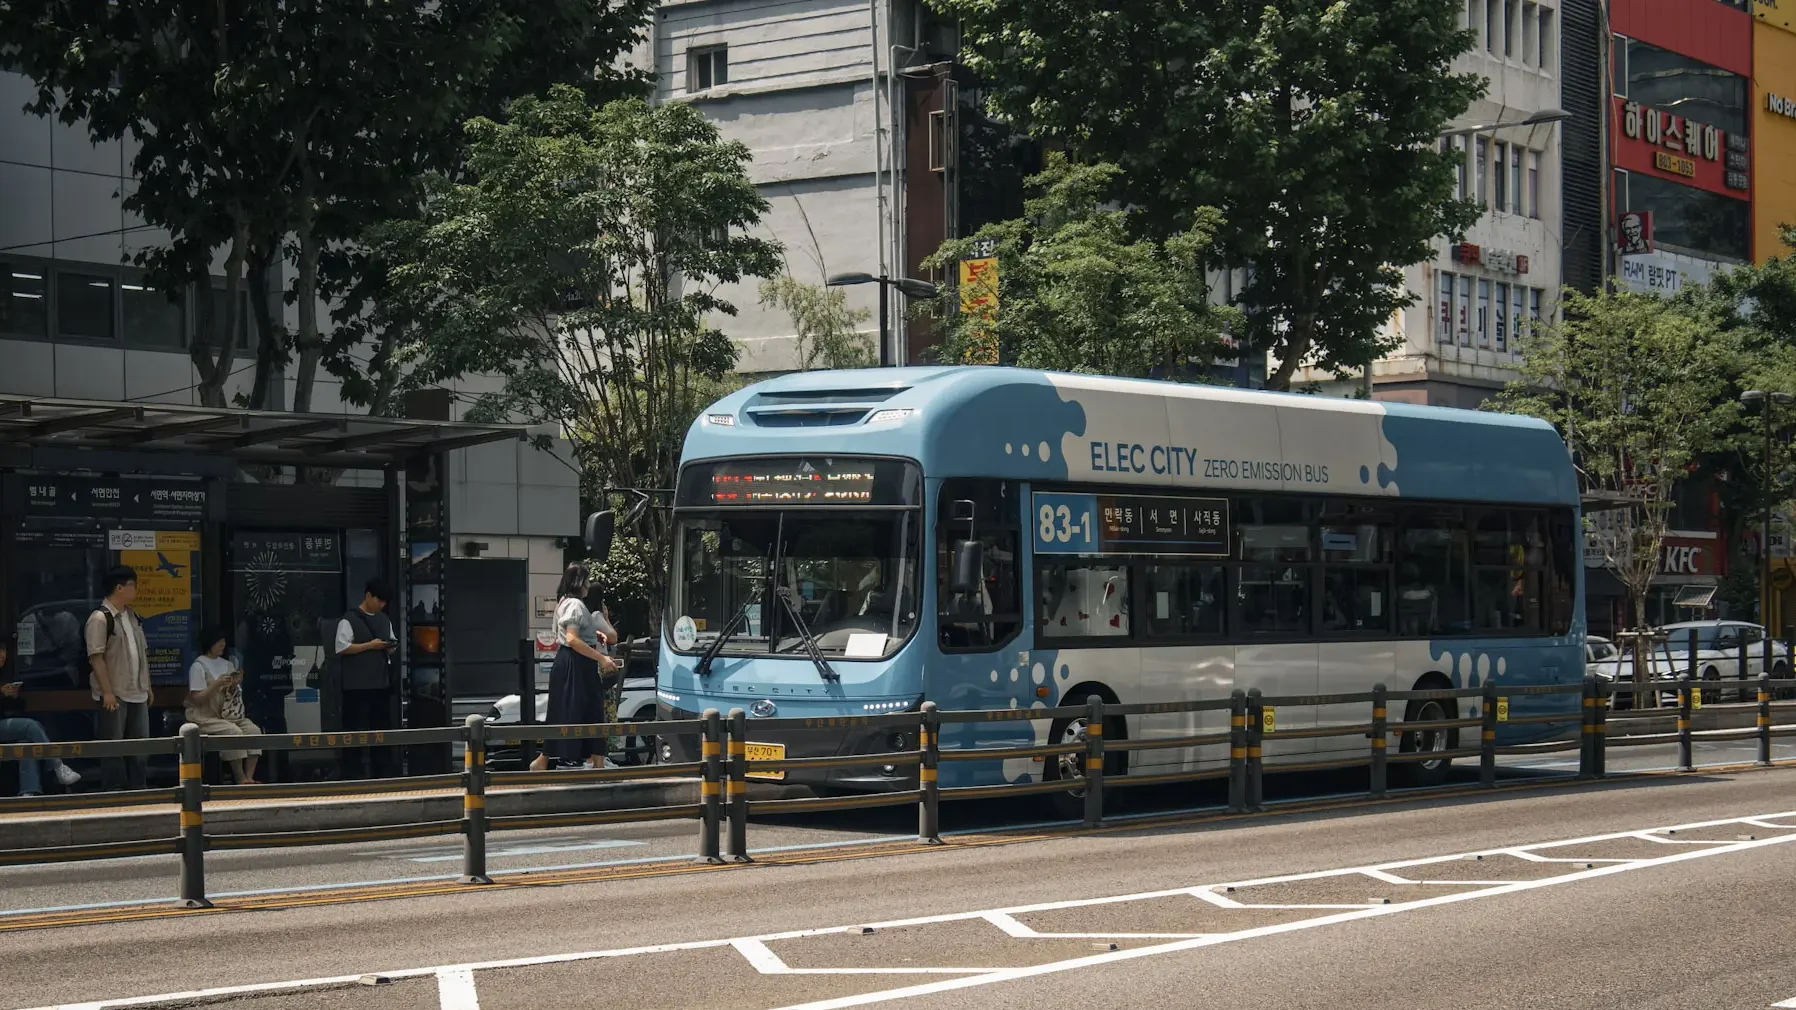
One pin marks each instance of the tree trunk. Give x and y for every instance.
(215, 346)
(268, 330)
(305, 293)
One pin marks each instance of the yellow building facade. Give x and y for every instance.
(1773, 126)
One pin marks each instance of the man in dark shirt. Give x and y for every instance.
(364, 644)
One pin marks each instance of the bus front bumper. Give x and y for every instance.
(873, 777)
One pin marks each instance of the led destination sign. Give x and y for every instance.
(801, 482)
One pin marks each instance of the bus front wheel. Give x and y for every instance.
(1070, 768)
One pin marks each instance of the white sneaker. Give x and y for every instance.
(66, 775)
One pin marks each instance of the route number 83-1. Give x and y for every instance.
(1058, 525)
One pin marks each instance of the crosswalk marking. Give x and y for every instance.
(455, 989)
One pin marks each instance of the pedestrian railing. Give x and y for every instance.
(722, 772)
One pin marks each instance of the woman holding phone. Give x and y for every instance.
(215, 701)
(577, 680)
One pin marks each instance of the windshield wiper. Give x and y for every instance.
(805, 638)
(783, 595)
(703, 668)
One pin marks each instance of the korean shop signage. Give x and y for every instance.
(1670, 146)
(1499, 260)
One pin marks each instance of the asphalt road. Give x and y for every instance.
(1581, 900)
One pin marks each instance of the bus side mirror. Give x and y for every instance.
(601, 527)
(969, 566)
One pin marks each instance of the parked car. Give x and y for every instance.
(1718, 646)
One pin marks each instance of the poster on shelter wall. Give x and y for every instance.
(166, 597)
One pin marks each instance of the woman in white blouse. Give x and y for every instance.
(578, 680)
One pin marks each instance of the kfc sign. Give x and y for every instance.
(1689, 557)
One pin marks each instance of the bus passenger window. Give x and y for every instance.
(1274, 599)
(1083, 600)
(1183, 600)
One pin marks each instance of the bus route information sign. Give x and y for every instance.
(1130, 524)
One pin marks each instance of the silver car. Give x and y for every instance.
(636, 705)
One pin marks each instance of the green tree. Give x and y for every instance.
(826, 331)
(578, 260)
(1638, 387)
(1312, 125)
(1079, 293)
(281, 131)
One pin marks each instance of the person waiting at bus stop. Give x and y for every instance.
(15, 728)
(577, 686)
(215, 702)
(364, 647)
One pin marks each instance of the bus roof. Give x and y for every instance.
(1057, 427)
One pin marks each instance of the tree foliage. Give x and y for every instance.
(1311, 125)
(271, 132)
(826, 332)
(1638, 387)
(1078, 292)
(578, 260)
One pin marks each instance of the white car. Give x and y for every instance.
(637, 705)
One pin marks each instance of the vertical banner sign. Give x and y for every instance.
(979, 287)
(164, 562)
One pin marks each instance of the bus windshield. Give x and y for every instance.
(850, 574)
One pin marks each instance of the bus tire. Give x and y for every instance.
(1070, 767)
(1428, 773)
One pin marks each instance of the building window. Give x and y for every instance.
(1515, 180)
(84, 306)
(1443, 317)
(1534, 184)
(1483, 180)
(1465, 311)
(1549, 46)
(1510, 27)
(1493, 9)
(1675, 83)
(941, 141)
(1531, 34)
(1691, 218)
(1483, 313)
(152, 318)
(707, 67)
(1501, 188)
(1533, 308)
(1515, 318)
(1502, 310)
(221, 308)
(24, 301)
(1471, 15)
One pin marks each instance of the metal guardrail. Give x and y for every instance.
(723, 768)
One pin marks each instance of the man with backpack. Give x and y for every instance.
(120, 660)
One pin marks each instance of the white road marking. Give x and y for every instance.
(1341, 914)
(1791, 1002)
(762, 959)
(1021, 931)
(455, 989)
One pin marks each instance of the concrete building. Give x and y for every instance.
(77, 323)
(1474, 301)
(867, 141)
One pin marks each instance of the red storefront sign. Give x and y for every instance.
(1690, 557)
(1670, 146)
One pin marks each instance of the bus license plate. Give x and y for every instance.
(766, 752)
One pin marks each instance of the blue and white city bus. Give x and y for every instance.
(1138, 540)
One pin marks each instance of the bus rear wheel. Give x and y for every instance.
(1427, 772)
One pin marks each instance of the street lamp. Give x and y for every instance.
(1765, 402)
(909, 286)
